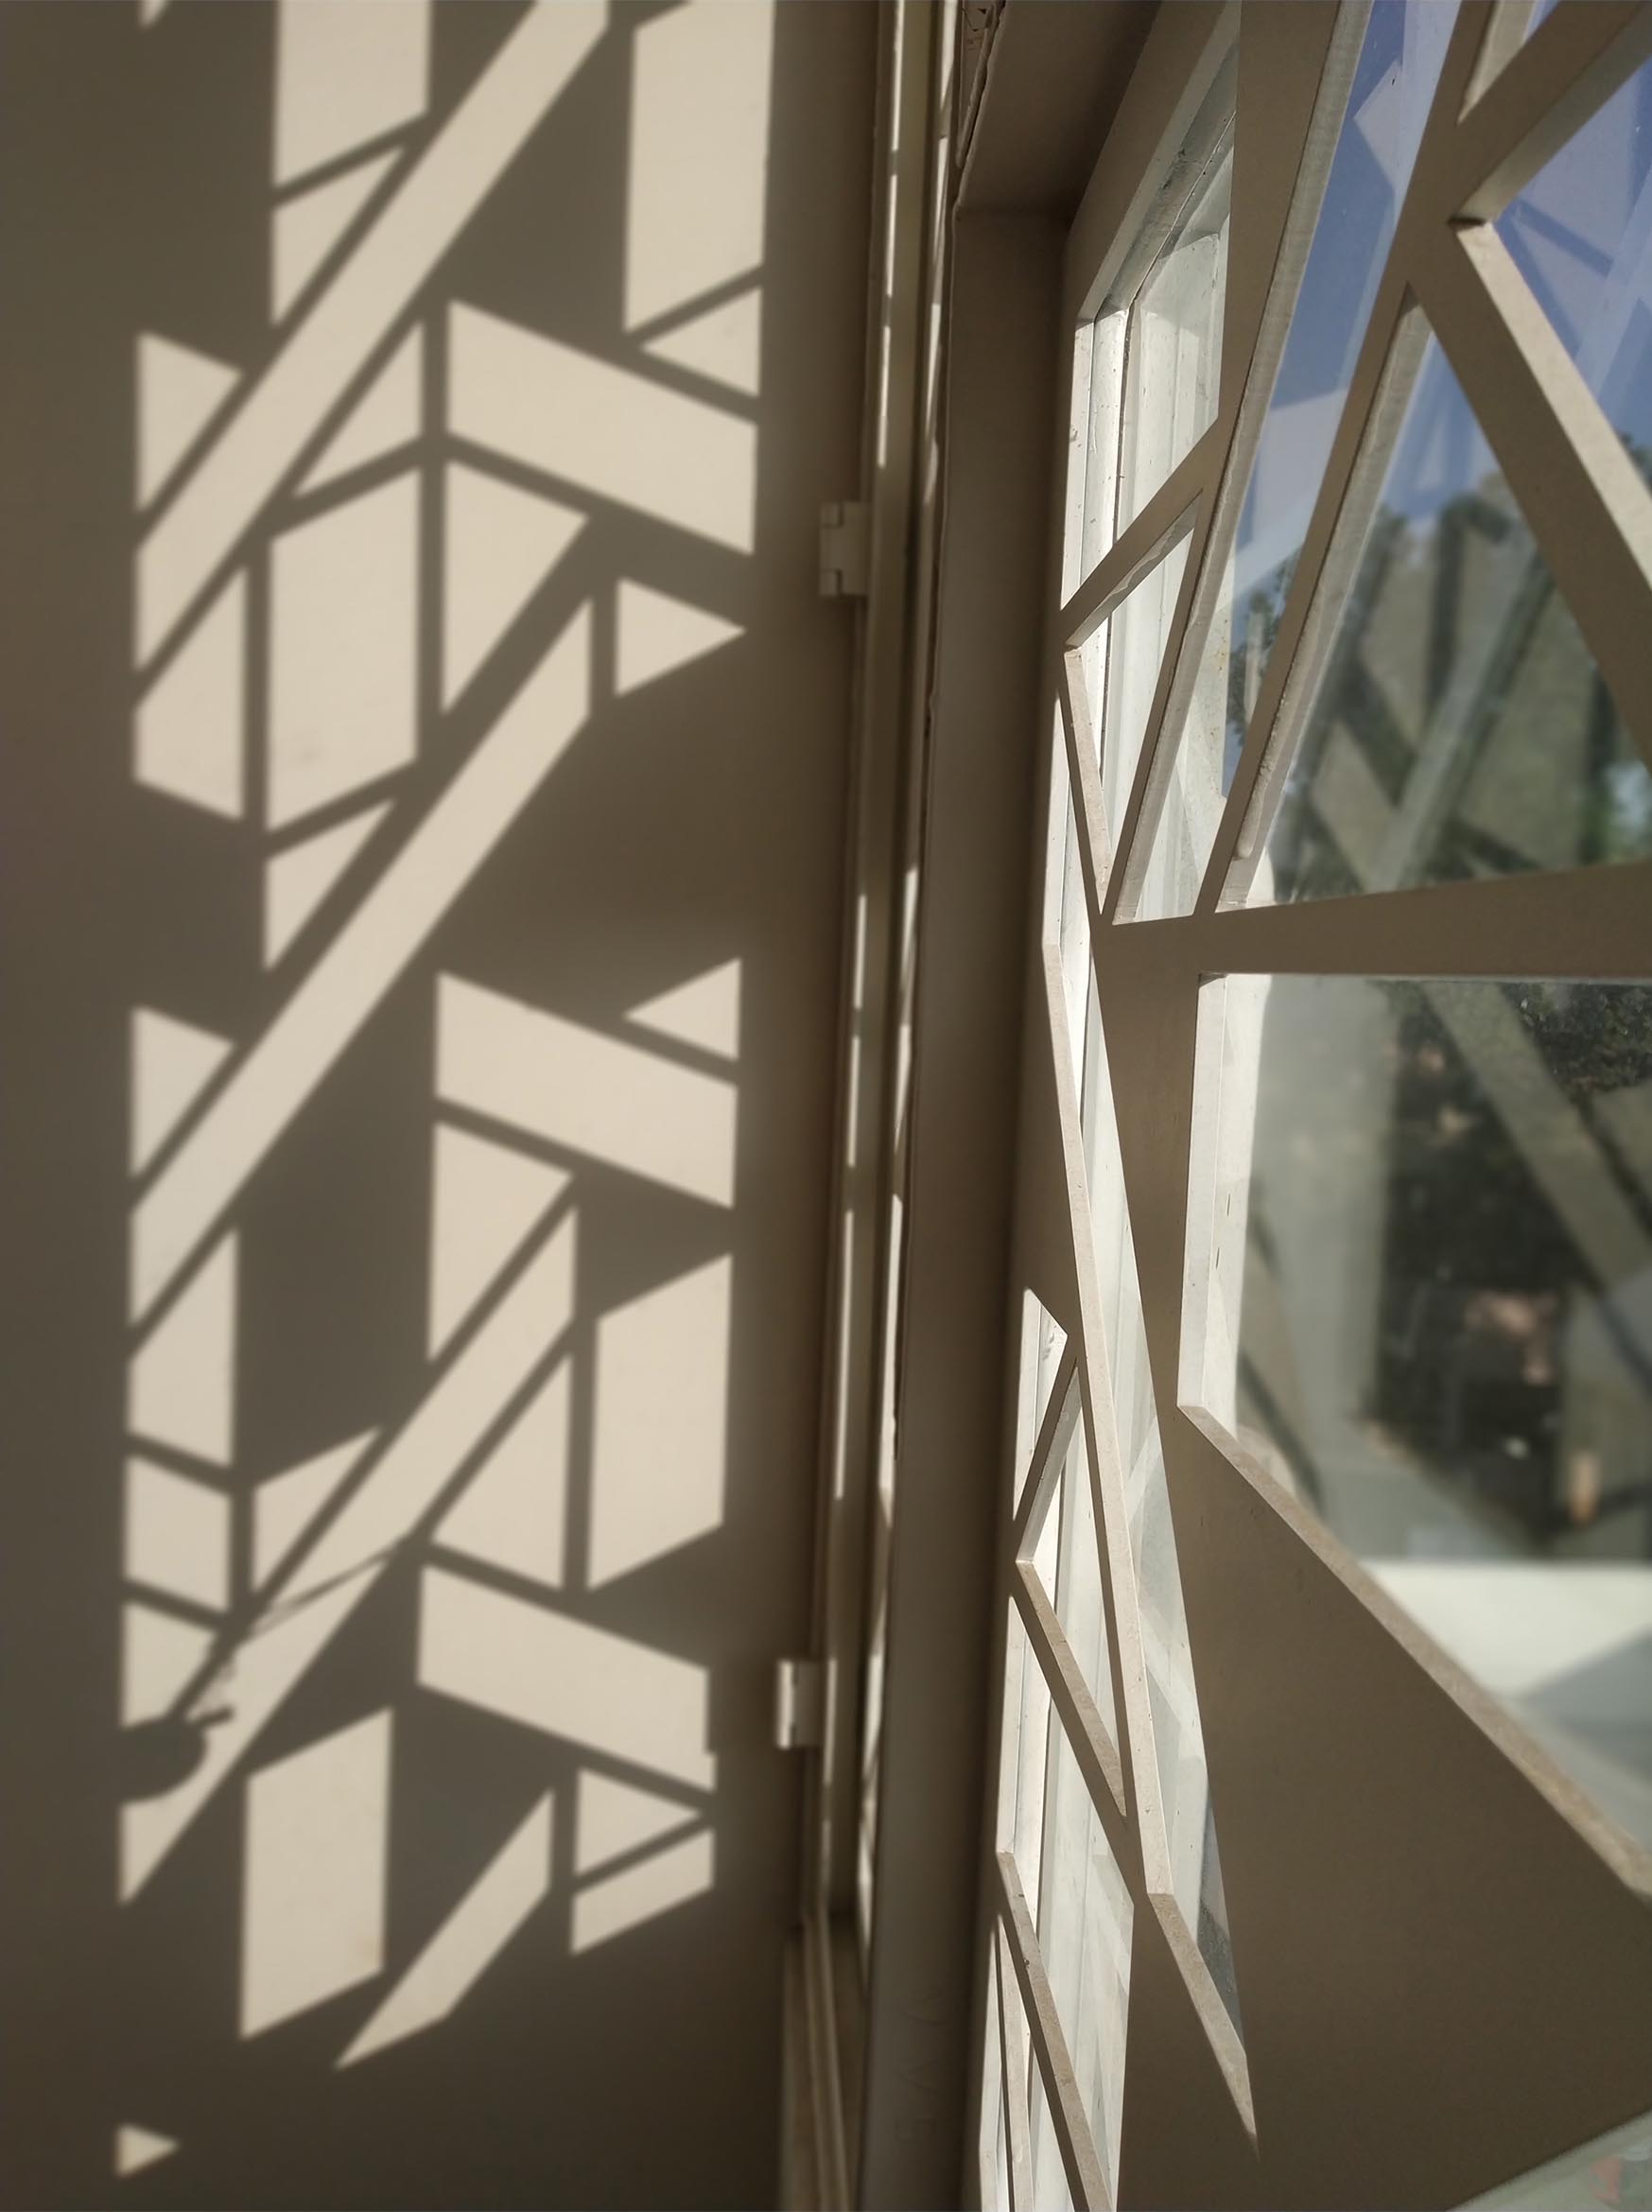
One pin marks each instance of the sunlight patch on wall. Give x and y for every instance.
(135, 2148)
(563, 1676)
(602, 429)
(614, 1818)
(179, 390)
(177, 1535)
(483, 1922)
(189, 731)
(343, 676)
(704, 1012)
(499, 544)
(658, 1455)
(724, 343)
(389, 415)
(308, 227)
(180, 1380)
(345, 75)
(328, 348)
(159, 1656)
(370, 950)
(172, 1063)
(617, 1903)
(657, 634)
(298, 878)
(697, 189)
(317, 1870)
(512, 1511)
(284, 1505)
(336, 1569)
(573, 1087)
(487, 1199)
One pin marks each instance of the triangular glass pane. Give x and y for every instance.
(1178, 1746)
(1581, 234)
(1460, 727)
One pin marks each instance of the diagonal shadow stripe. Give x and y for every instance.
(283, 1067)
(318, 1589)
(266, 436)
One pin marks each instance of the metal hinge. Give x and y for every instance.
(799, 1704)
(845, 549)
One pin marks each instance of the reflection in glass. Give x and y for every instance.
(1172, 347)
(1394, 84)
(1422, 1236)
(1460, 727)
(1189, 1834)
(1613, 2170)
(1085, 1916)
(1581, 234)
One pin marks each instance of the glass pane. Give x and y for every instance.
(1581, 232)
(1079, 1594)
(1121, 661)
(1085, 1916)
(1179, 1744)
(1191, 811)
(1427, 1232)
(1050, 2188)
(1394, 84)
(1172, 346)
(1026, 1731)
(995, 2177)
(1461, 727)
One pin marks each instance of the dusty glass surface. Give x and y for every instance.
(1420, 1294)
(1121, 663)
(1193, 1866)
(1172, 344)
(1085, 1916)
(1079, 1594)
(1460, 726)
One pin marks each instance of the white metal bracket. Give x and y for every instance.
(845, 549)
(799, 1704)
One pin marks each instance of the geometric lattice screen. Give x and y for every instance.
(1347, 1060)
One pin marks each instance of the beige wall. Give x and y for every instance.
(425, 796)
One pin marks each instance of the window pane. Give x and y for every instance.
(1581, 232)
(1026, 1730)
(1085, 1916)
(1121, 662)
(1050, 2188)
(1461, 727)
(1394, 84)
(1179, 1747)
(1173, 344)
(1424, 1219)
(1079, 1594)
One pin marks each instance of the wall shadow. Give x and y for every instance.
(422, 913)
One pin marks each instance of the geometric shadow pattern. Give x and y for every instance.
(372, 629)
